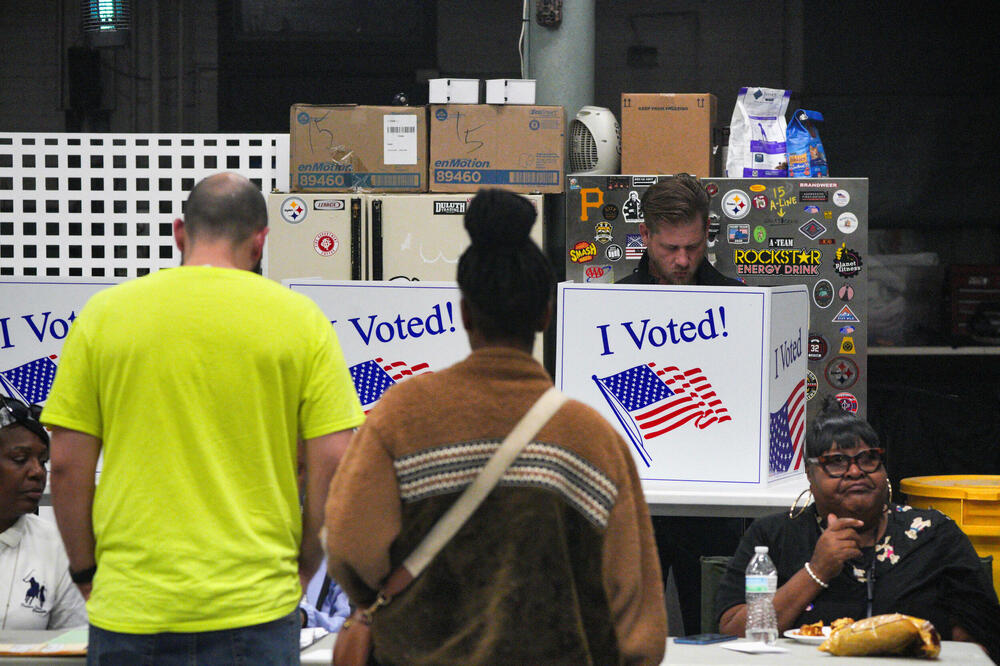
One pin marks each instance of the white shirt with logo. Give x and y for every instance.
(35, 588)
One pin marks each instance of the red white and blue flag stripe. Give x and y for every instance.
(788, 432)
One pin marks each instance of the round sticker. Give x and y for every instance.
(823, 293)
(613, 252)
(841, 372)
(325, 243)
(817, 348)
(759, 234)
(610, 212)
(847, 223)
(760, 202)
(736, 204)
(712, 189)
(848, 402)
(812, 385)
(841, 198)
(293, 210)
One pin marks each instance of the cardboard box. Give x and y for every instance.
(347, 148)
(453, 91)
(667, 133)
(519, 148)
(510, 91)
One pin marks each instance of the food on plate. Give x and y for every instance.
(884, 634)
(841, 622)
(814, 629)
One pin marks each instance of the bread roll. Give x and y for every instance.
(885, 634)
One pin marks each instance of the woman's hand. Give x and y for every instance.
(838, 543)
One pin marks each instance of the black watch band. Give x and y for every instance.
(83, 576)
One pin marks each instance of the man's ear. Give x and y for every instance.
(543, 321)
(258, 242)
(463, 308)
(644, 233)
(180, 235)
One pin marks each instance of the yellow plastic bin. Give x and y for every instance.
(972, 501)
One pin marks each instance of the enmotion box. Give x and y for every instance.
(510, 91)
(348, 148)
(453, 91)
(667, 133)
(519, 148)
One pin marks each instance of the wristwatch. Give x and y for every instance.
(83, 576)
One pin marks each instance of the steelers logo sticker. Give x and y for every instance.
(293, 210)
(841, 372)
(325, 244)
(736, 204)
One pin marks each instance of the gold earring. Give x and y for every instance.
(791, 510)
(888, 503)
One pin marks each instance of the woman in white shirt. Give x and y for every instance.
(35, 588)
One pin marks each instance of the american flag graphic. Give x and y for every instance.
(788, 431)
(30, 383)
(651, 402)
(633, 246)
(372, 378)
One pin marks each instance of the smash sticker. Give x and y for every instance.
(847, 262)
(325, 244)
(736, 204)
(583, 252)
(848, 402)
(293, 210)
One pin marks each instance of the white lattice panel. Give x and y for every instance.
(102, 205)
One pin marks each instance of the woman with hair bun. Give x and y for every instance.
(558, 565)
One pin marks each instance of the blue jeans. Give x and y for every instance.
(275, 642)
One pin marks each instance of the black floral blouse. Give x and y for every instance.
(923, 566)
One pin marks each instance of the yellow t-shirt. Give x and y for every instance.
(199, 380)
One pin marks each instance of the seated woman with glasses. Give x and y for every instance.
(853, 553)
(35, 588)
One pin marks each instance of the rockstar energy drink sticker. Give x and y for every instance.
(767, 261)
(847, 345)
(847, 262)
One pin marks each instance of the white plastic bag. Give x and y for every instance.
(757, 134)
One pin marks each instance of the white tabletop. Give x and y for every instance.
(798, 653)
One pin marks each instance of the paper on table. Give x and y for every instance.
(310, 635)
(753, 647)
(71, 643)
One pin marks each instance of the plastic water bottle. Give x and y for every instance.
(761, 584)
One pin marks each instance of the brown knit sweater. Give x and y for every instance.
(558, 565)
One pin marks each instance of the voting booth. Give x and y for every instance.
(706, 384)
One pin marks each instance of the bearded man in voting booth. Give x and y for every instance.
(195, 384)
(675, 232)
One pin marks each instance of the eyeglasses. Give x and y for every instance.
(837, 464)
(14, 411)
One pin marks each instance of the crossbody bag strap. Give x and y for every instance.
(456, 516)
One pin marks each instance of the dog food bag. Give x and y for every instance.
(757, 134)
(806, 158)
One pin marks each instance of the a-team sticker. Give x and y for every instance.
(325, 244)
(812, 385)
(848, 402)
(841, 372)
(817, 348)
(823, 293)
(841, 198)
(736, 204)
(847, 262)
(293, 210)
(847, 223)
(613, 252)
